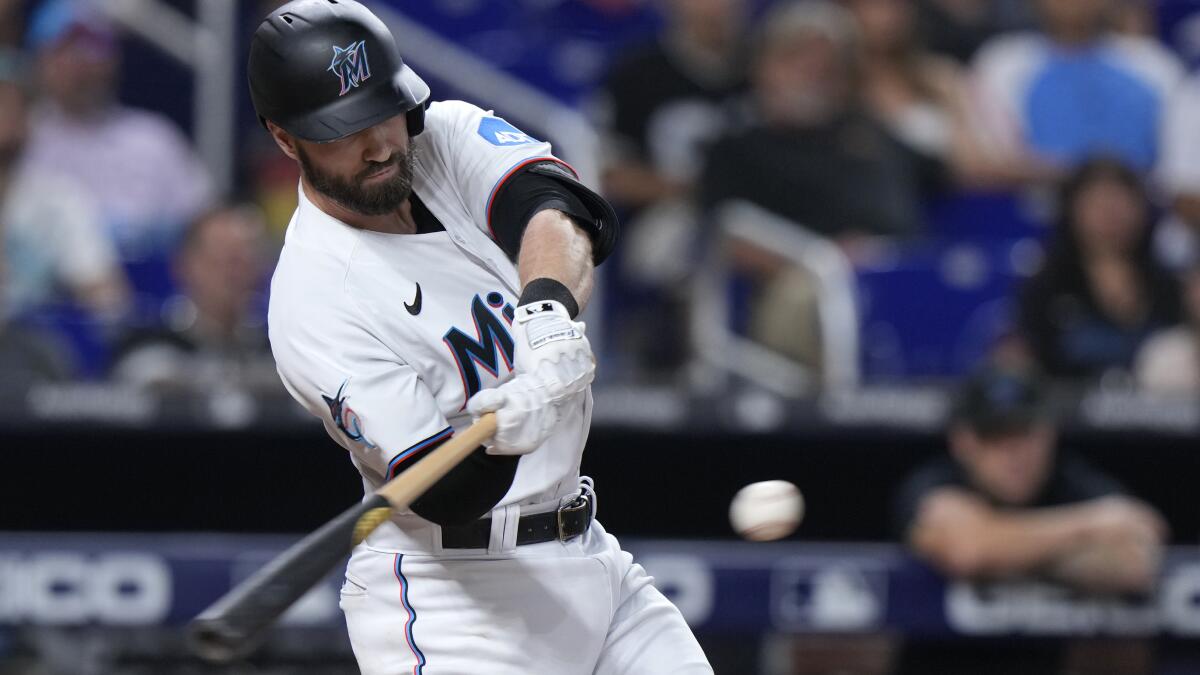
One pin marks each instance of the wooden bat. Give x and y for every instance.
(230, 627)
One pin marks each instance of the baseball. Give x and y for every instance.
(767, 510)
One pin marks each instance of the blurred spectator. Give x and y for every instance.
(813, 154)
(140, 169)
(661, 104)
(51, 234)
(1075, 89)
(1169, 362)
(957, 28)
(214, 334)
(1100, 292)
(658, 109)
(1006, 503)
(922, 97)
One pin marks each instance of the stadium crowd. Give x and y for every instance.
(1066, 123)
(861, 120)
(1060, 134)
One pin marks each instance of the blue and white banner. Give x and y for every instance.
(732, 587)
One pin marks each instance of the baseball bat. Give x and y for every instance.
(231, 627)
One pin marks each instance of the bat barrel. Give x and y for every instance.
(233, 625)
(216, 641)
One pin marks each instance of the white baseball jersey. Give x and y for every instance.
(386, 336)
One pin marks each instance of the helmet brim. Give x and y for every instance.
(361, 110)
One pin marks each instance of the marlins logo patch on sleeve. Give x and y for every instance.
(345, 418)
(497, 131)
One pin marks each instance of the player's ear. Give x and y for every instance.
(285, 141)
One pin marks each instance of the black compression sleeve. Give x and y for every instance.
(469, 491)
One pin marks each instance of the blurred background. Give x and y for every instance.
(936, 262)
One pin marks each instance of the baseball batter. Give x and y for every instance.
(431, 273)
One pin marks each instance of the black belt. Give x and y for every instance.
(566, 523)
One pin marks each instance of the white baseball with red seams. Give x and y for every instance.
(766, 510)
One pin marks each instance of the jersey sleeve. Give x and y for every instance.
(371, 402)
(483, 152)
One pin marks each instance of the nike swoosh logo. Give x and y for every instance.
(415, 307)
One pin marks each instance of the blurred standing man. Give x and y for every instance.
(431, 274)
(138, 167)
(815, 155)
(662, 104)
(1006, 503)
(50, 231)
(658, 109)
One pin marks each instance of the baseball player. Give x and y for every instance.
(432, 272)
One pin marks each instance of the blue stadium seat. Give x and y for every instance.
(74, 331)
(981, 215)
(934, 310)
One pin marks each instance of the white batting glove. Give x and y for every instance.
(553, 347)
(525, 417)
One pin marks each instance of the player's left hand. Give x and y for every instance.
(553, 347)
(525, 415)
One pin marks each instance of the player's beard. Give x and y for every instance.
(374, 200)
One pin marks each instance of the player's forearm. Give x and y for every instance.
(1109, 566)
(1020, 543)
(998, 545)
(554, 247)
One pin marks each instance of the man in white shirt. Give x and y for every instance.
(51, 237)
(139, 168)
(430, 274)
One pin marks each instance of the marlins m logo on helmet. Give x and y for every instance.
(350, 65)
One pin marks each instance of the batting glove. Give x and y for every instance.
(553, 347)
(525, 416)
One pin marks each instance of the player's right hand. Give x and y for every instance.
(525, 414)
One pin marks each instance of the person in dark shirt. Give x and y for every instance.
(663, 102)
(211, 337)
(1101, 292)
(1005, 503)
(658, 110)
(811, 153)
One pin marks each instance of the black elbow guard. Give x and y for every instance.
(600, 220)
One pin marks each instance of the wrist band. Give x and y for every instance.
(545, 288)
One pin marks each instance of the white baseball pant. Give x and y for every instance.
(580, 607)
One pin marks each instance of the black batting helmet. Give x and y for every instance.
(325, 69)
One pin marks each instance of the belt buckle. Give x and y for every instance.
(579, 504)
